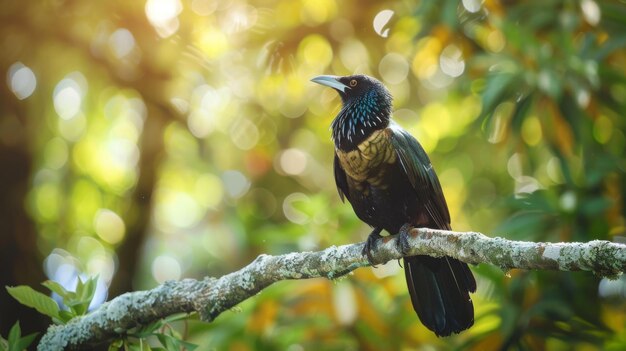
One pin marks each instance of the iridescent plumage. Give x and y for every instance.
(388, 179)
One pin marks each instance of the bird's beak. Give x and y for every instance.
(331, 81)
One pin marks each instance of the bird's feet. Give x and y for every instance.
(370, 244)
(402, 242)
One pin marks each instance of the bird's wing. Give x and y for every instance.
(341, 179)
(422, 176)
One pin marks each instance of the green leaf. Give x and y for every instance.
(145, 346)
(16, 342)
(14, 334)
(29, 297)
(25, 342)
(521, 110)
(116, 344)
(77, 307)
(575, 117)
(188, 346)
(139, 345)
(133, 347)
(58, 289)
(173, 343)
(79, 286)
(497, 90)
(149, 329)
(449, 13)
(89, 289)
(174, 333)
(65, 316)
(78, 301)
(595, 206)
(84, 294)
(169, 342)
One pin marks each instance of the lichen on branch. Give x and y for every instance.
(212, 296)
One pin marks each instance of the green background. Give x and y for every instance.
(147, 141)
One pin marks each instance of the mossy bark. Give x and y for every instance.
(212, 296)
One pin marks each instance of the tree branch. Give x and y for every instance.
(210, 297)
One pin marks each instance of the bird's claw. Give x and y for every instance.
(402, 242)
(370, 244)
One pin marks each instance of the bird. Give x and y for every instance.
(387, 177)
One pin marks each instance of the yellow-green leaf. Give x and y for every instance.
(30, 297)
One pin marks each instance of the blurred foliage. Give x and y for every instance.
(166, 337)
(15, 341)
(168, 139)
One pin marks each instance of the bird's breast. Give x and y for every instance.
(366, 162)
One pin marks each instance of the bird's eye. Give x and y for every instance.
(353, 83)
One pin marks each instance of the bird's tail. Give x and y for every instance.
(439, 289)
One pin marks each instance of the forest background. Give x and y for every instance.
(148, 141)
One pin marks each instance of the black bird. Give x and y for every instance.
(387, 176)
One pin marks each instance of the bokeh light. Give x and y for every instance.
(204, 7)
(291, 210)
(68, 95)
(240, 17)
(472, 5)
(451, 61)
(21, 80)
(177, 209)
(393, 68)
(380, 22)
(314, 12)
(354, 55)
(166, 268)
(344, 302)
(591, 12)
(315, 51)
(163, 15)
(46, 197)
(109, 226)
(56, 153)
(293, 161)
(244, 134)
(208, 190)
(531, 131)
(122, 42)
(173, 139)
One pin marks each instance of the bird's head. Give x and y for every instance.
(356, 88)
(366, 107)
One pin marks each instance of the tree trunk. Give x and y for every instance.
(20, 262)
(139, 219)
